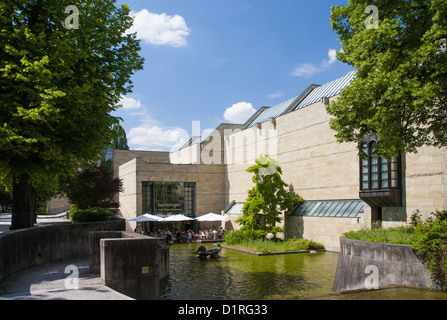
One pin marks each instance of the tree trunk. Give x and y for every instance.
(24, 203)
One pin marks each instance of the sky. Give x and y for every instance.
(209, 62)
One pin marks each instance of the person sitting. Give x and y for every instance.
(178, 236)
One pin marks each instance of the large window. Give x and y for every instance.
(379, 178)
(165, 198)
(378, 173)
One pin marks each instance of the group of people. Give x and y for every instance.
(187, 236)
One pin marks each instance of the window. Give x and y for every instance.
(379, 177)
(376, 172)
(162, 198)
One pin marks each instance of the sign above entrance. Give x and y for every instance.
(169, 206)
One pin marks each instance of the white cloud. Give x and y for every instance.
(308, 69)
(332, 56)
(239, 112)
(156, 138)
(130, 103)
(160, 29)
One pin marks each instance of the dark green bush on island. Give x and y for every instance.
(90, 215)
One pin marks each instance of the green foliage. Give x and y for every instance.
(59, 87)
(415, 219)
(93, 187)
(430, 245)
(266, 246)
(400, 88)
(266, 200)
(242, 235)
(41, 211)
(119, 141)
(90, 215)
(398, 235)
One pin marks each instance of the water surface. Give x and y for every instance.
(241, 276)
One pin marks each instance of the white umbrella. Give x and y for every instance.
(178, 217)
(143, 218)
(212, 217)
(156, 218)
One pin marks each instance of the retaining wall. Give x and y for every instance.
(133, 264)
(26, 248)
(361, 264)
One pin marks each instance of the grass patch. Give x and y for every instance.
(397, 235)
(265, 246)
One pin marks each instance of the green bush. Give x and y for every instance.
(430, 244)
(239, 236)
(90, 215)
(398, 235)
(41, 211)
(266, 246)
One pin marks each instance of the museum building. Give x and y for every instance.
(341, 191)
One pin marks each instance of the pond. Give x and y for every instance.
(242, 276)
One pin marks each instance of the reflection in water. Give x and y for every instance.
(237, 275)
(241, 276)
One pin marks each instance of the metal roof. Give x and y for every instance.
(236, 208)
(330, 208)
(328, 90)
(273, 112)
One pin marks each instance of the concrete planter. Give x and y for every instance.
(369, 265)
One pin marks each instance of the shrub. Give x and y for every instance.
(430, 245)
(398, 235)
(239, 236)
(90, 215)
(41, 211)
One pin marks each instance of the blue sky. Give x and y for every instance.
(217, 61)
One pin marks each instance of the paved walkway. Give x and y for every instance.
(51, 282)
(58, 282)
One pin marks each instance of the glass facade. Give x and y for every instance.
(167, 198)
(377, 173)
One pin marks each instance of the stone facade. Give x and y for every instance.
(312, 161)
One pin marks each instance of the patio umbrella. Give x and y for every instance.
(212, 217)
(143, 218)
(157, 218)
(177, 217)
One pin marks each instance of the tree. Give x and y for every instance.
(400, 88)
(58, 87)
(267, 199)
(93, 187)
(119, 141)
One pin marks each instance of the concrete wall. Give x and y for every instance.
(133, 266)
(130, 263)
(26, 248)
(325, 230)
(362, 263)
